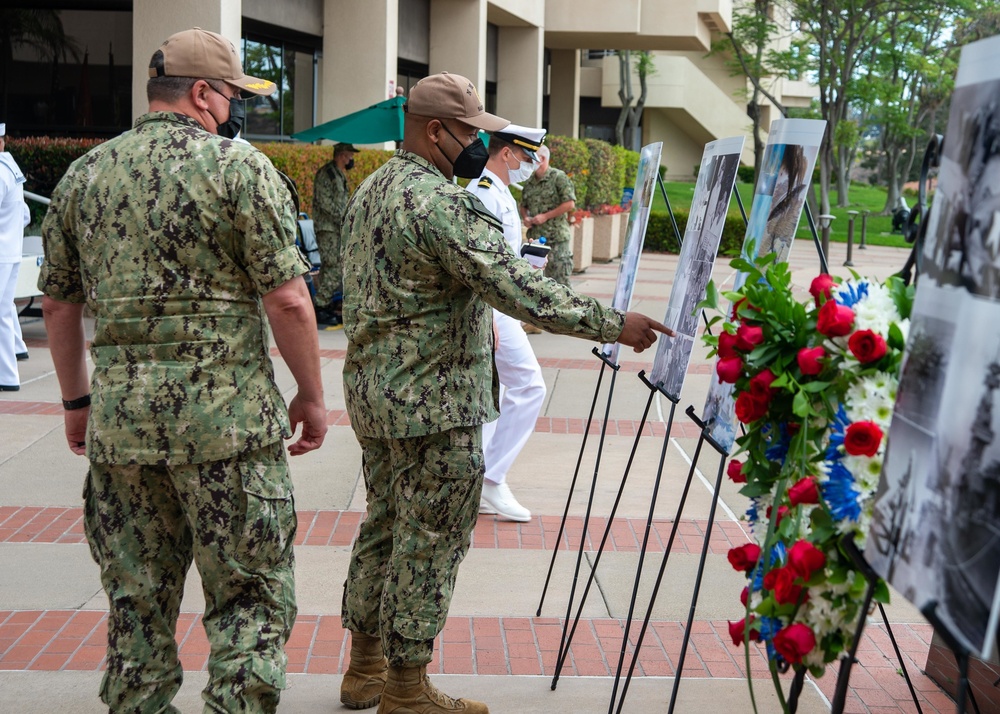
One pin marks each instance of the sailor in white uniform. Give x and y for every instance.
(512, 160)
(14, 216)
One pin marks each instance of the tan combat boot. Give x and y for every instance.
(408, 690)
(364, 679)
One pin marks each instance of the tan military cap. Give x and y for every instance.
(206, 55)
(451, 96)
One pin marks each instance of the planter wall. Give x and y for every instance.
(583, 244)
(607, 237)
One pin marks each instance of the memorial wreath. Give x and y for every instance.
(814, 383)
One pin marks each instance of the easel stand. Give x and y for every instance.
(567, 639)
(844, 674)
(723, 455)
(572, 487)
(961, 653)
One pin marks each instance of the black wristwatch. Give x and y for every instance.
(78, 403)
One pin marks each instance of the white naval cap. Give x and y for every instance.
(528, 138)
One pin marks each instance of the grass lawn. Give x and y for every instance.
(862, 198)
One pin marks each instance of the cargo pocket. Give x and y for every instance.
(91, 519)
(269, 519)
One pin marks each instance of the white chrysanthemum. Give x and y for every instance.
(871, 399)
(876, 311)
(866, 471)
(904, 327)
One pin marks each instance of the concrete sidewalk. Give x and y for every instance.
(53, 612)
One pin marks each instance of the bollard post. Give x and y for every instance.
(825, 219)
(850, 239)
(864, 230)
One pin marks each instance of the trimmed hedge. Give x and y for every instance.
(599, 171)
(660, 236)
(604, 182)
(573, 157)
(301, 162)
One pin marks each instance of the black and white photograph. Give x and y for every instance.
(713, 193)
(635, 234)
(966, 213)
(936, 526)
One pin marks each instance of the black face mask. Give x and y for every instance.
(231, 128)
(471, 161)
(234, 125)
(349, 165)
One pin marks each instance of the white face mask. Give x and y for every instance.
(522, 172)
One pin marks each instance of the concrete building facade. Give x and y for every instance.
(536, 62)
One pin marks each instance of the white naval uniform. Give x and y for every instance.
(14, 216)
(520, 375)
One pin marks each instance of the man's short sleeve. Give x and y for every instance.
(60, 277)
(566, 190)
(265, 223)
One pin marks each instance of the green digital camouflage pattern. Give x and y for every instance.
(543, 194)
(330, 195)
(560, 264)
(423, 501)
(171, 235)
(236, 519)
(427, 258)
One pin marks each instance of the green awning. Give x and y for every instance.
(374, 125)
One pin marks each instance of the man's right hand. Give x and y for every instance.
(312, 416)
(640, 331)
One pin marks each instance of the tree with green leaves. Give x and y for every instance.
(751, 47)
(644, 67)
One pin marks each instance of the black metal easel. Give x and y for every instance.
(605, 363)
(569, 630)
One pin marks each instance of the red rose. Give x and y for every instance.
(735, 472)
(834, 320)
(823, 285)
(782, 584)
(794, 642)
(744, 557)
(749, 408)
(729, 369)
(793, 428)
(760, 385)
(782, 512)
(748, 337)
(862, 438)
(804, 558)
(809, 360)
(745, 595)
(738, 629)
(736, 308)
(727, 345)
(867, 346)
(803, 491)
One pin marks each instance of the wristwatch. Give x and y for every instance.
(78, 403)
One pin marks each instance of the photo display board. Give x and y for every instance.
(635, 234)
(780, 195)
(706, 221)
(935, 531)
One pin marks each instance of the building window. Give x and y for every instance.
(291, 64)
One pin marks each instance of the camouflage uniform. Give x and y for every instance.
(541, 195)
(419, 382)
(330, 194)
(171, 235)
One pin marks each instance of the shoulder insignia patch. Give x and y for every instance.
(485, 182)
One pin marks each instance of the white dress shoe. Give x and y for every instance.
(499, 498)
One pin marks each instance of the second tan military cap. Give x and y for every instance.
(451, 96)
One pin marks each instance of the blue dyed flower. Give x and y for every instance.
(841, 494)
(778, 450)
(837, 430)
(851, 294)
